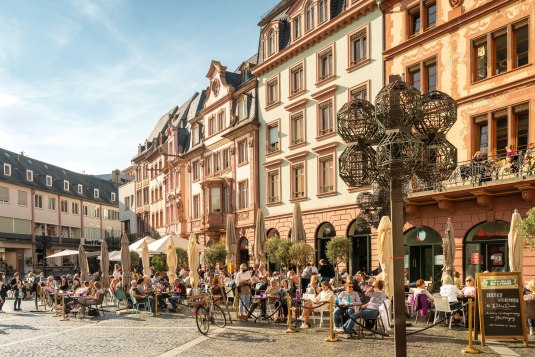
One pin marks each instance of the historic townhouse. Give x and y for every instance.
(42, 203)
(481, 53)
(314, 57)
(223, 157)
(127, 202)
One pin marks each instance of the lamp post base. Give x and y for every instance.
(470, 350)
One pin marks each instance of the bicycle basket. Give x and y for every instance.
(196, 300)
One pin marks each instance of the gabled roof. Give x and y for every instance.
(162, 124)
(19, 165)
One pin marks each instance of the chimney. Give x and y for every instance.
(116, 176)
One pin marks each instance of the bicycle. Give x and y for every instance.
(207, 312)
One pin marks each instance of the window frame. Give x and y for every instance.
(359, 33)
(321, 131)
(29, 175)
(326, 9)
(243, 158)
(361, 87)
(196, 209)
(48, 180)
(7, 169)
(326, 52)
(38, 201)
(64, 204)
(297, 30)
(273, 82)
(294, 195)
(96, 193)
(8, 196)
(226, 156)
(221, 122)
(51, 203)
(240, 194)
(310, 16)
(302, 141)
(75, 208)
(212, 129)
(208, 170)
(422, 68)
(113, 197)
(331, 157)
(270, 150)
(66, 185)
(300, 66)
(195, 170)
(271, 199)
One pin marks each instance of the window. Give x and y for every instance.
(196, 206)
(309, 16)
(323, 15)
(64, 206)
(521, 116)
(195, 134)
(23, 198)
(226, 159)
(208, 165)
(482, 134)
(221, 121)
(501, 127)
(414, 77)
(217, 162)
(242, 152)
(359, 93)
(431, 76)
(113, 196)
(296, 79)
(215, 194)
(272, 91)
(51, 203)
(226, 195)
(297, 129)
(48, 180)
(431, 12)
(296, 27)
(326, 179)
(74, 207)
(127, 203)
(521, 43)
(7, 169)
(326, 117)
(211, 126)
(359, 50)
(4, 194)
(242, 108)
(271, 42)
(243, 196)
(80, 189)
(480, 52)
(38, 201)
(29, 175)
(95, 193)
(499, 39)
(196, 170)
(66, 185)
(273, 186)
(325, 64)
(423, 76)
(298, 181)
(273, 137)
(414, 17)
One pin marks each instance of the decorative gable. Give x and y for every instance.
(218, 87)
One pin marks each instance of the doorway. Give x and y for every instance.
(421, 262)
(359, 233)
(423, 254)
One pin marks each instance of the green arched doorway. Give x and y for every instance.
(359, 233)
(423, 253)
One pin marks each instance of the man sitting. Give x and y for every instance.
(140, 296)
(271, 292)
(181, 293)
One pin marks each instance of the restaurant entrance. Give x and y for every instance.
(423, 254)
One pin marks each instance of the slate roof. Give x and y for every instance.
(162, 123)
(233, 79)
(19, 165)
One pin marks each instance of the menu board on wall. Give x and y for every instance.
(501, 306)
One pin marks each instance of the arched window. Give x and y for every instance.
(272, 233)
(323, 236)
(244, 251)
(309, 16)
(322, 11)
(359, 233)
(271, 42)
(423, 254)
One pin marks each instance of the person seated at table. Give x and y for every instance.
(145, 284)
(528, 297)
(313, 286)
(261, 299)
(216, 289)
(421, 289)
(50, 285)
(64, 284)
(323, 297)
(138, 293)
(457, 280)
(184, 276)
(343, 307)
(93, 299)
(282, 293)
(293, 280)
(450, 291)
(370, 310)
(470, 287)
(262, 286)
(179, 289)
(74, 286)
(163, 284)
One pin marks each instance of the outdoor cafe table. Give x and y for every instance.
(262, 300)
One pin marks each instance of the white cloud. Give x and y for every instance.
(10, 39)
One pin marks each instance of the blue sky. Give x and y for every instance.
(83, 82)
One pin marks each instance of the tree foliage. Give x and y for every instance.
(283, 252)
(182, 258)
(134, 259)
(216, 254)
(527, 229)
(300, 254)
(159, 263)
(338, 250)
(270, 247)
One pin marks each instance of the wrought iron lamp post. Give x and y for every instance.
(408, 131)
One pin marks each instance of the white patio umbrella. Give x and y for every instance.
(516, 246)
(145, 260)
(160, 246)
(260, 238)
(193, 261)
(384, 253)
(82, 262)
(230, 243)
(448, 250)
(137, 245)
(125, 261)
(63, 253)
(171, 260)
(298, 230)
(105, 264)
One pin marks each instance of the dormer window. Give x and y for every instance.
(48, 181)
(271, 42)
(113, 196)
(323, 15)
(309, 16)
(29, 175)
(296, 27)
(7, 169)
(96, 193)
(195, 134)
(66, 185)
(80, 189)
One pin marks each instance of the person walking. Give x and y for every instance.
(243, 281)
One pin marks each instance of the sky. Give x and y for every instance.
(83, 82)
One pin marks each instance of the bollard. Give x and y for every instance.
(289, 304)
(56, 304)
(332, 337)
(470, 349)
(236, 304)
(156, 303)
(63, 318)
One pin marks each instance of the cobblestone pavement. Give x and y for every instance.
(41, 334)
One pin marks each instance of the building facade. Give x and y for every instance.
(44, 204)
(481, 53)
(127, 203)
(315, 56)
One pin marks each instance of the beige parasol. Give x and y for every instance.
(384, 253)
(125, 261)
(145, 260)
(448, 250)
(193, 260)
(171, 260)
(230, 242)
(516, 246)
(105, 264)
(260, 238)
(298, 230)
(82, 261)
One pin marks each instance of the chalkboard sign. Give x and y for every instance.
(501, 306)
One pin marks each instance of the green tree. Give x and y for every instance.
(159, 263)
(270, 247)
(216, 254)
(134, 259)
(300, 254)
(283, 252)
(527, 229)
(338, 251)
(182, 258)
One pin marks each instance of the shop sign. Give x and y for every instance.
(475, 258)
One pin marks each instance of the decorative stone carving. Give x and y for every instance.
(456, 3)
(484, 200)
(413, 210)
(251, 142)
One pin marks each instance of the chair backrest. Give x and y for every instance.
(120, 294)
(309, 296)
(442, 304)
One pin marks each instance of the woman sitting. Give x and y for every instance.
(450, 291)
(323, 297)
(313, 287)
(347, 298)
(470, 288)
(421, 289)
(93, 299)
(282, 293)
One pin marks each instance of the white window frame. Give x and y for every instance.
(113, 196)
(96, 193)
(29, 175)
(7, 190)
(80, 189)
(38, 201)
(66, 185)
(7, 170)
(48, 180)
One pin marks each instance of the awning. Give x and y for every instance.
(64, 253)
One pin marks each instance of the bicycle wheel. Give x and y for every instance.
(218, 316)
(202, 320)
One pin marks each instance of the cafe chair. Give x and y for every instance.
(137, 305)
(442, 305)
(421, 307)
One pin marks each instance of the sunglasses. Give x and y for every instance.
(468, 279)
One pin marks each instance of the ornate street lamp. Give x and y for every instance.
(408, 131)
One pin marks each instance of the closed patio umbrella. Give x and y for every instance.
(125, 261)
(384, 253)
(448, 250)
(171, 260)
(82, 262)
(298, 230)
(230, 242)
(104, 264)
(516, 246)
(193, 261)
(145, 259)
(260, 238)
